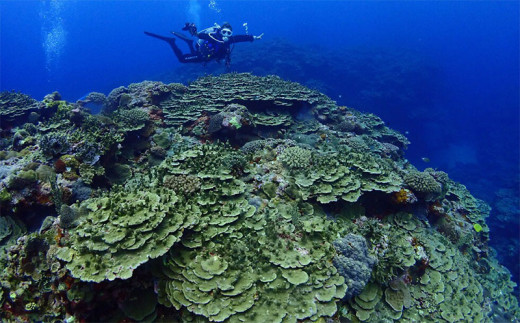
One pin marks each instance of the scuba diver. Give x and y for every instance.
(213, 43)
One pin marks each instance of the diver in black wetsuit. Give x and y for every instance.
(213, 43)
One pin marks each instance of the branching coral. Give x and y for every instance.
(423, 184)
(182, 184)
(132, 120)
(296, 157)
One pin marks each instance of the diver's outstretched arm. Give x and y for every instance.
(244, 38)
(240, 38)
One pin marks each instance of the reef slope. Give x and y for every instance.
(235, 198)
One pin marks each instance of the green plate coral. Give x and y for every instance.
(240, 199)
(123, 230)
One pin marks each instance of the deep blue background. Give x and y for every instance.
(469, 126)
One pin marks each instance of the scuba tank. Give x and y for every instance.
(211, 30)
(209, 48)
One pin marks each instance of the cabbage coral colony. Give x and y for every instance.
(234, 199)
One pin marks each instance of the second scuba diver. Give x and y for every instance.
(213, 43)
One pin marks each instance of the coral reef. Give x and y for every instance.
(435, 284)
(123, 230)
(236, 198)
(15, 108)
(211, 94)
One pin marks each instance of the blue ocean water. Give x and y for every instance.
(459, 105)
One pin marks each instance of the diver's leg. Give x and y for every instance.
(188, 40)
(192, 58)
(171, 42)
(167, 39)
(190, 45)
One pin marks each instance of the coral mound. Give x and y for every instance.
(236, 198)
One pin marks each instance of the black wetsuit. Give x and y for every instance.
(209, 46)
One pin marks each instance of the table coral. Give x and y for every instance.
(16, 107)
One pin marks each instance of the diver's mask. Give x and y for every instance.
(226, 32)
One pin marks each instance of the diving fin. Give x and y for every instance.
(182, 36)
(166, 39)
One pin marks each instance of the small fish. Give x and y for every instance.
(425, 159)
(82, 98)
(407, 132)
